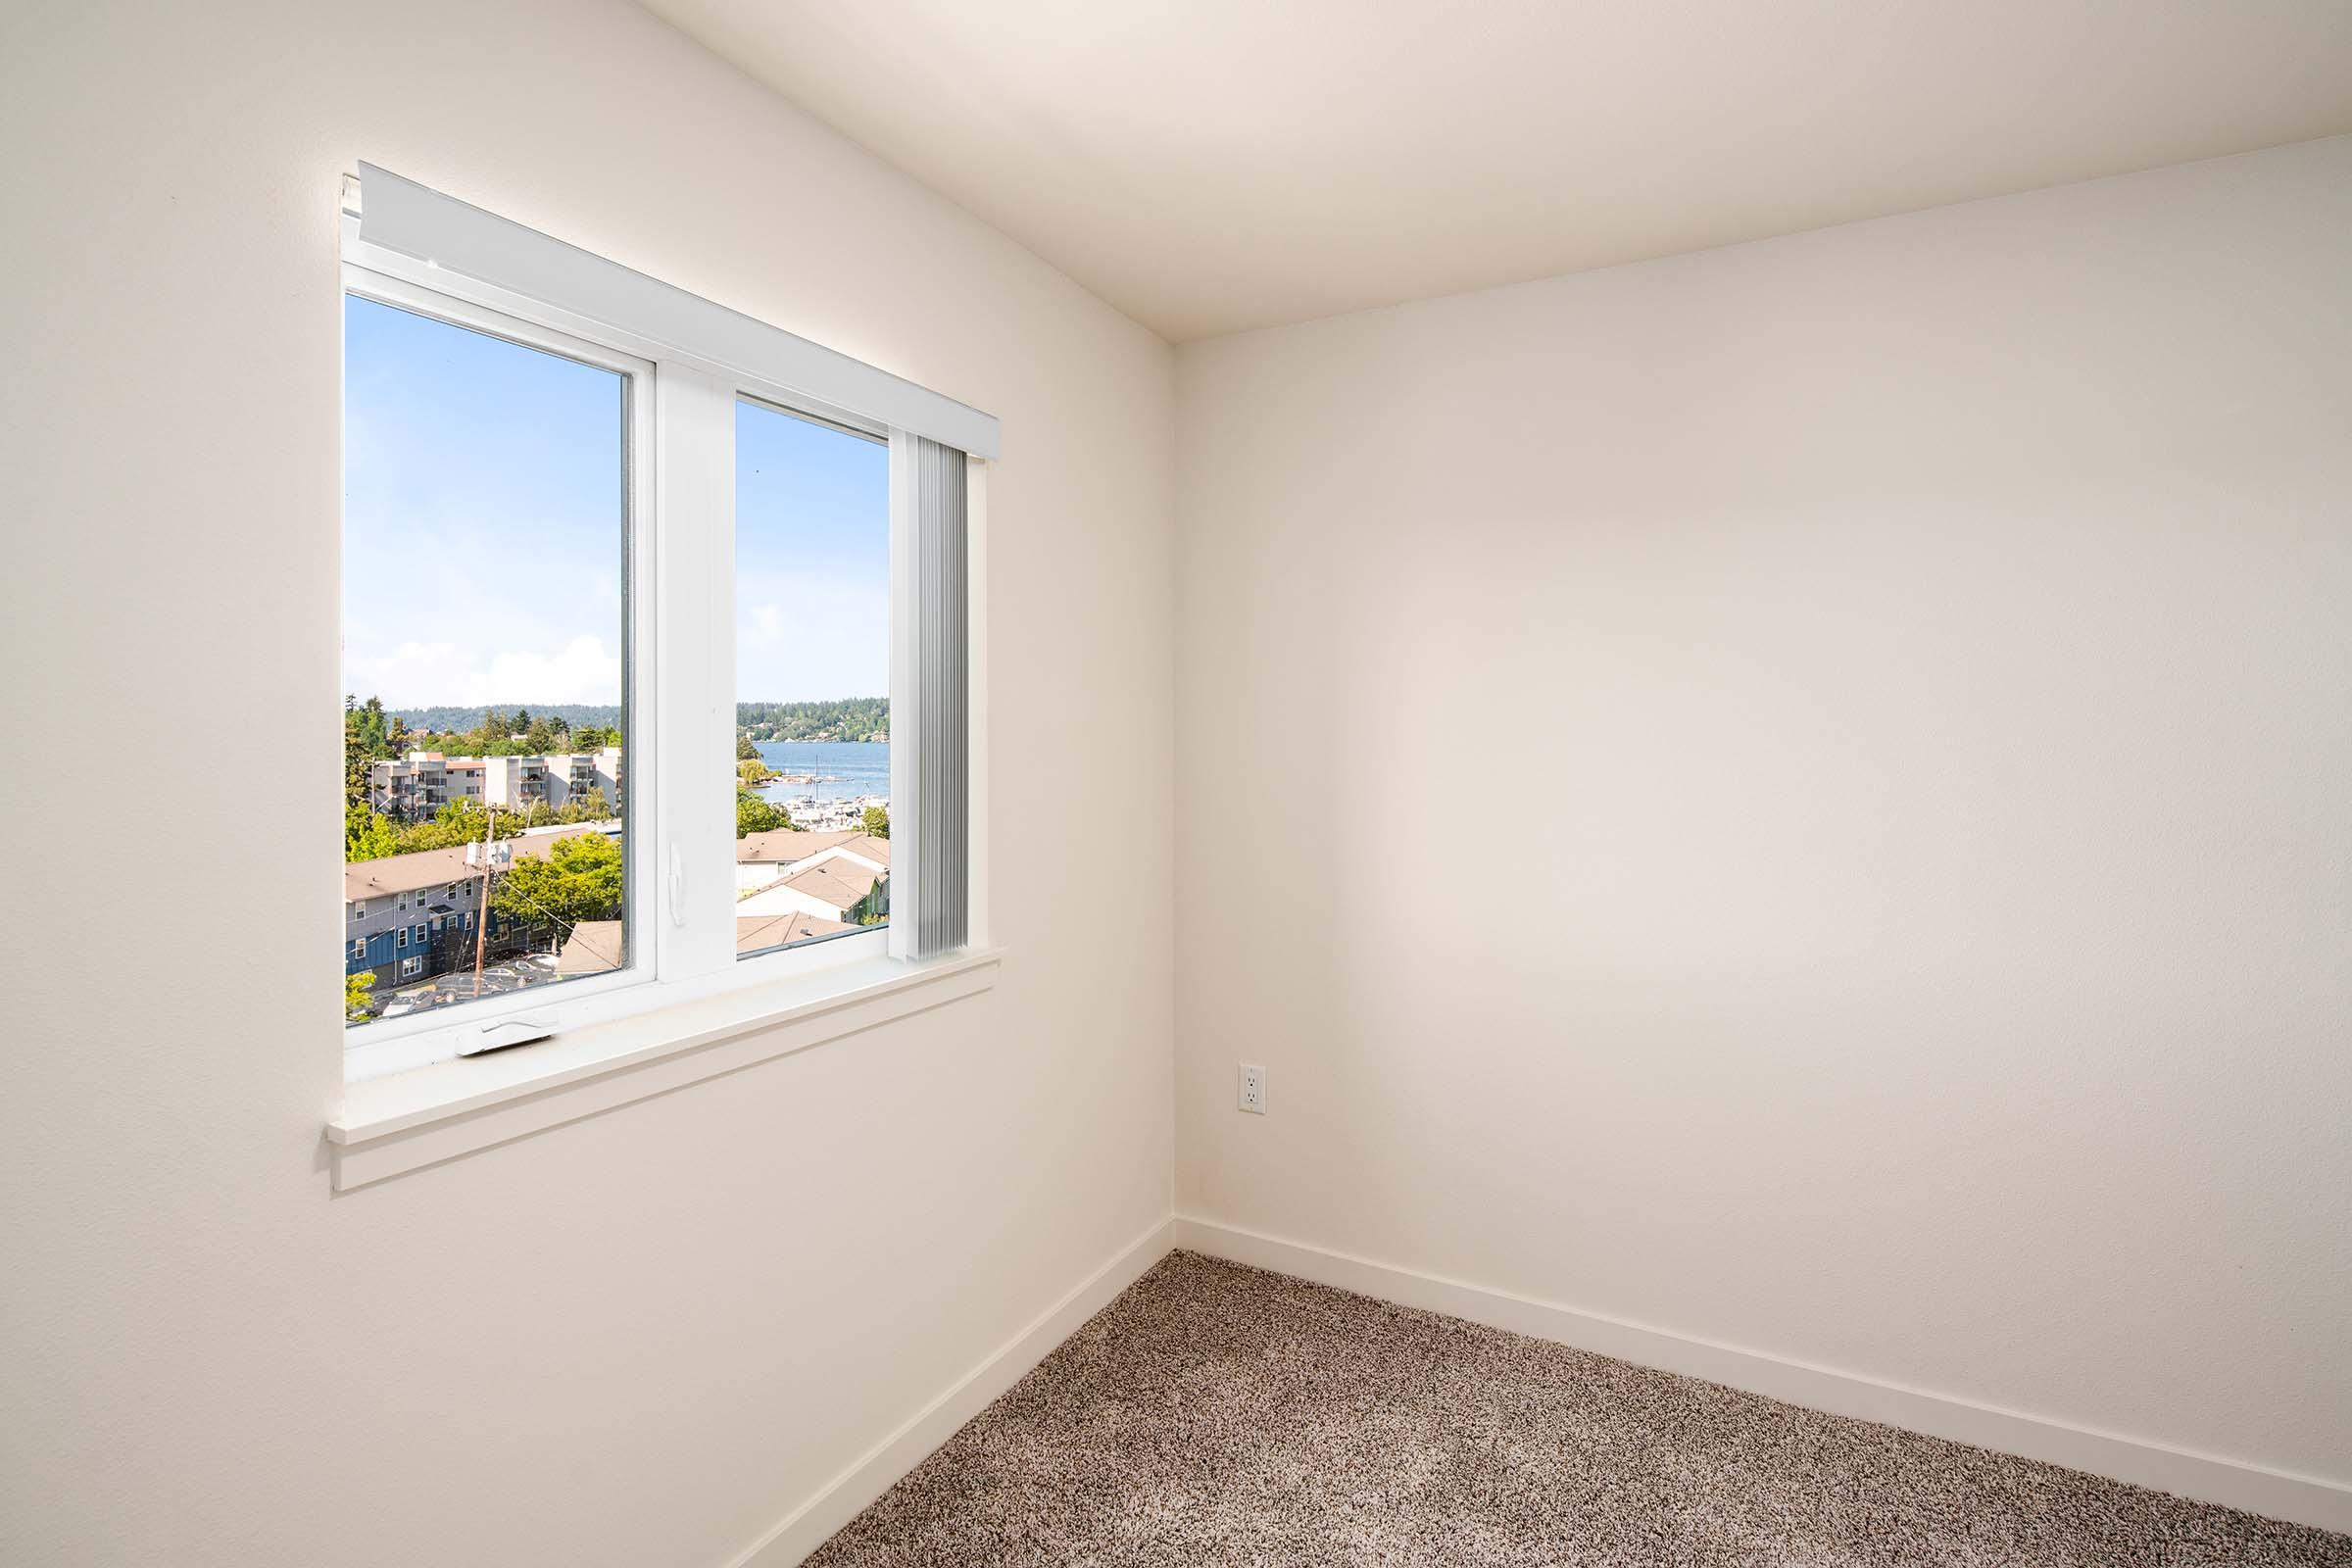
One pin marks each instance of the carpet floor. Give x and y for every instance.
(1216, 1414)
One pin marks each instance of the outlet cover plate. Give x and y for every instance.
(1250, 1095)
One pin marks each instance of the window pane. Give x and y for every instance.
(486, 527)
(812, 680)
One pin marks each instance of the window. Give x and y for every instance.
(503, 519)
(359, 909)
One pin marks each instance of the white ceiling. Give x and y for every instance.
(1209, 166)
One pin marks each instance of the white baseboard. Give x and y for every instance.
(2276, 1494)
(842, 1498)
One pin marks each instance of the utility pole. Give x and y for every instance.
(489, 861)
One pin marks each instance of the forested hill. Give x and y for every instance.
(578, 715)
(845, 718)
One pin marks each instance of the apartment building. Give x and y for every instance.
(420, 783)
(412, 786)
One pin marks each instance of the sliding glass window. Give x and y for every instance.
(656, 651)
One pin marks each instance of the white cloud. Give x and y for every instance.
(418, 674)
(812, 634)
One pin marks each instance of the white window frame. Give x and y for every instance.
(679, 894)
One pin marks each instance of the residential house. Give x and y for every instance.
(595, 947)
(761, 858)
(407, 917)
(831, 887)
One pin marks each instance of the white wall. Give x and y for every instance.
(642, 1339)
(1812, 784)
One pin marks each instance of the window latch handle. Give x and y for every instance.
(508, 1032)
(677, 886)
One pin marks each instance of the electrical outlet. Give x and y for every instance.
(1252, 1097)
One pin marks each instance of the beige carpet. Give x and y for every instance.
(1214, 1414)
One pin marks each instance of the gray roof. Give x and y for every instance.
(405, 873)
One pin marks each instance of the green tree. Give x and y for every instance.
(358, 1005)
(745, 751)
(592, 806)
(578, 879)
(367, 835)
(458, 822)
(364, 740)
(755, 815)
(877, 821)
(847, 718)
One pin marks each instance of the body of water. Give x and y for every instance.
(844, 769)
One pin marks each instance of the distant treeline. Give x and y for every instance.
(575, 715)
(846, 719)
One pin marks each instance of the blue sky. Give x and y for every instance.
(484, 541)
(812, 561)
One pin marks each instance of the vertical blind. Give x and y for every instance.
(939, 813)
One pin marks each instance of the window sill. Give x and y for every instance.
(389, 1126)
